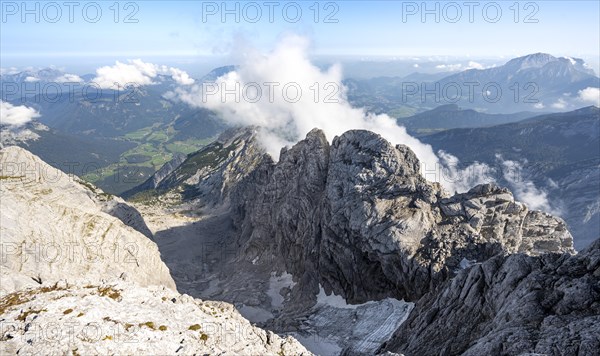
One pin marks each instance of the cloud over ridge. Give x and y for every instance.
(137, 72)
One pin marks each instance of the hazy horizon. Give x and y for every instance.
(198, 36)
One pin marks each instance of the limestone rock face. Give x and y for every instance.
(118, 317)
(76, 280)
(548, 304)
(55, 226)
(357, 217)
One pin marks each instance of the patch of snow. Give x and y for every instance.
(276, 283)
(254, 314)
(464, 263)
(333, 300)
(318, 345)
(358, 328)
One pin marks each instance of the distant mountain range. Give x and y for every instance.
(451, 116)
(543, 82)
(537, 82)
(101, 112)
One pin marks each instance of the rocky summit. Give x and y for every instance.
(370, 226)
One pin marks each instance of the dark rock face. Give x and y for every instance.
(358, 218)
(549, 304)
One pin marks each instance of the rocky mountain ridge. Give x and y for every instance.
(559, 152)
(352, 221)
(364, 199)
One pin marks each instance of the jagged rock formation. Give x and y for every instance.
(358, 218)
(559, 153)
(548, 304)
(123, 318)
(354, 217)
(54, 227)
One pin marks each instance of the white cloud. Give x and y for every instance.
(559, 104)
(16, 116)
(31, 79)
(69, 78)
(179, 76)
(590, 95)
(416, 65)
(9, 71)
(449, 67)
(463, 179)
(475, 65)
(243, 98)
(525, 190)
(136, 72)
(539, 105)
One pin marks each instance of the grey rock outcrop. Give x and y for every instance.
(207, 176)
(548, 304)
(357, 217)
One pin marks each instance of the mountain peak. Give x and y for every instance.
(535, 60)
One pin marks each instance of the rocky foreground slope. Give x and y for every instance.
(123, 318)
(79, 277)
(291, 243)
(55, 226)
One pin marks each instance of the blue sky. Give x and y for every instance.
(175, 32)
